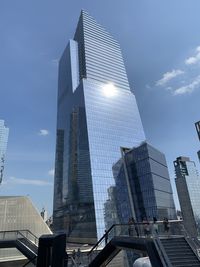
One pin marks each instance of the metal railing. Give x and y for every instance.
(19, 234)
(194, 243)
(161, 252)
(29, 262)
(73, 261)
(146, 229)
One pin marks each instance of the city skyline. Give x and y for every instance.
(30, 155)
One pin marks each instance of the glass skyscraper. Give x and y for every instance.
(4, 131)
(197, 125)
(143, 188)
(97, 114)
(188, 188)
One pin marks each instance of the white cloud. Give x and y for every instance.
(51, 172)
(22, 181)
(198, 49)
(182, 86)
(43, 132)
(169, 88)
(188, 89)
(194, 59)
(191, 60)
(168, 76)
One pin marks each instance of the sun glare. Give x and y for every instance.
(109, 90)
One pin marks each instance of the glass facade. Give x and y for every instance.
(143, 188)
(198, 154)
(188, 188)
(97, 114)
(4, 131)
(197, 125)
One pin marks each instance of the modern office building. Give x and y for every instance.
(198, 154)
(4, 131)
(143, 188)
(197, 125)
(188, 188)
(97, 114)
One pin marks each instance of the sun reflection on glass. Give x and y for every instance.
(109, 90)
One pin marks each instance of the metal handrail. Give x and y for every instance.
(35, 238)
(161, 252)
(193, 243)
(103, 237)
(28, 231)
(21, 232)
(135, 224)
(29, 261)
(175, 230)
(109, 230)
(74, 262)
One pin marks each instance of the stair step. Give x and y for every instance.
(175, 245)
(173, 241)
(190, 256)
(188, 250)
(186, 265)
(185, 260)
(180, 253)
(175, 254)
(180, 247)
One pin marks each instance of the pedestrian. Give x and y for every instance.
(155, 226)
(130, 226)
(78, 256)
(106, 237)
(146, 227)
(135, 227)
(74, 254)
(166, 225)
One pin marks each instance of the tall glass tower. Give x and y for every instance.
(188, 188)
(97, 114)
(4, 131)
(197, 125)
(143, 188)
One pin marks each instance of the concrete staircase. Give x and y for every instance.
(179, 252)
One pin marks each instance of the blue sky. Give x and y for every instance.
(160, 42)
